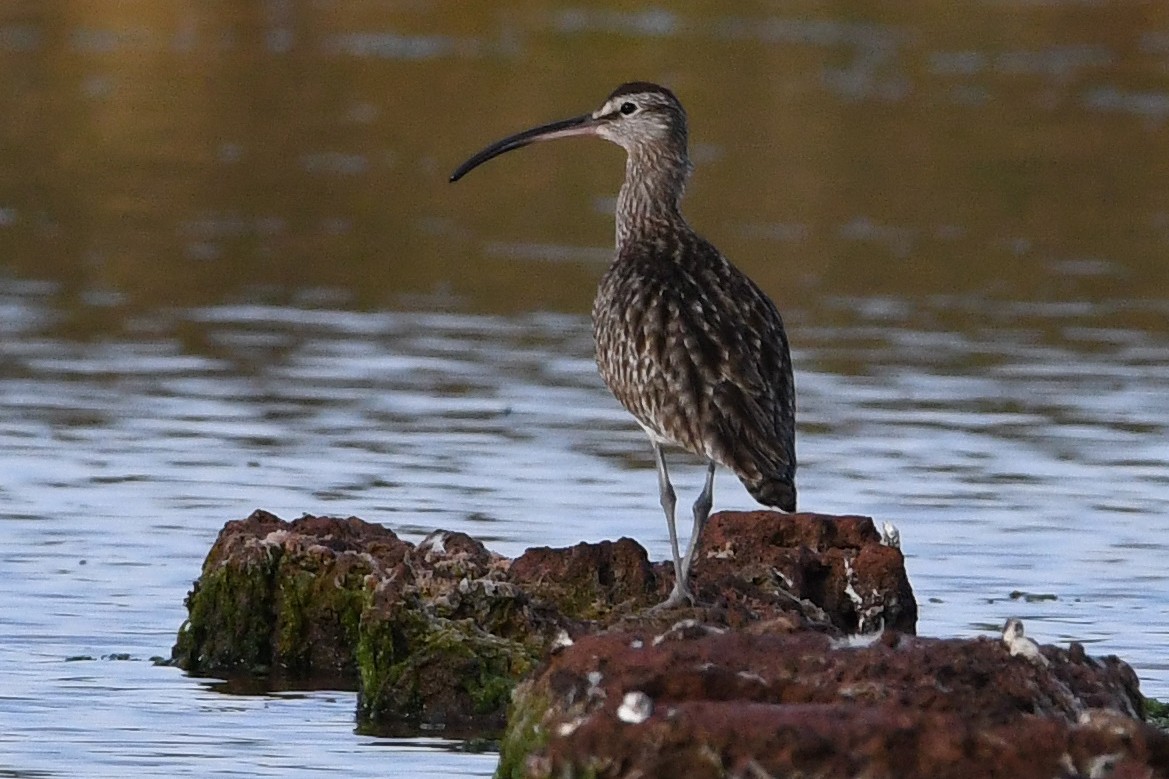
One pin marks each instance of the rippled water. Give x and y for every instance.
(233, 275)
(1008, 461)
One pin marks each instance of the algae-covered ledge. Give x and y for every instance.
(429, 634)
(437, 634)
(801, 658)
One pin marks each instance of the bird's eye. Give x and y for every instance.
(628, 108)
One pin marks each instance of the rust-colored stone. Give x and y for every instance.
(734, 704)
(831, 569)
(763, 676)
(590, 581)
(409, 625)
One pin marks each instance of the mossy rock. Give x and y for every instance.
(525, 734)
(277, 600)
(429, 635)
(231, 611)
(318, 617)
(1157, 713)
(431, 671)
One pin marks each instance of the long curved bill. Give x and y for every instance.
(566, 128)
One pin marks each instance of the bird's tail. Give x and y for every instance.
(778, 491)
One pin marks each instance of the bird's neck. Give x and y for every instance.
(650, 198)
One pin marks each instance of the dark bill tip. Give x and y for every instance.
(578, 125)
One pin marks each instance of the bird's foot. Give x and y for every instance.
(679, 596)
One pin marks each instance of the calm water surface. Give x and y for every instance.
(232, 276)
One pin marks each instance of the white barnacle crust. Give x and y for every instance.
(725, 552)
(435, 542)
(561, 642)
(1102, 766)
(849, 588)
(565, 729)
(890, 535)
(595, 690)
(688, 628)
(857, 640)
(636, 707)
(677, 627)
(1019, 645)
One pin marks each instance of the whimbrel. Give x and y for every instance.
(685, 341)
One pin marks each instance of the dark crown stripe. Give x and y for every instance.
(640, 88)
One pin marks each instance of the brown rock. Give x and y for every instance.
(284, 598)
(831, 569)
(760, 570)
(589, 581)
(438, 633)
(734, 704)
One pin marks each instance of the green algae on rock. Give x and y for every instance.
(436, 635)
(431, 635)
(525, 735)
(1157, 713)
(419, 666)
(283, 599)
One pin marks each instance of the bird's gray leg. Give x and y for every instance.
(681, 592)
(702, 508)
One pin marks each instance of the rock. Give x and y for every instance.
(799, 660)
(439, 633)
(832, 569)
(430, 635)
(589, 582)
(733, 703)
(762, 569)
(445, 637)
(284, 598)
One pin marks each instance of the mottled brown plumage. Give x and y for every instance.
(685, 341)
(697, 353)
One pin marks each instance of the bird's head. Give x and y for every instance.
(637, 116)
(641, 114)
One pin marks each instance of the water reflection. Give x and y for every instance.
(182, 155)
